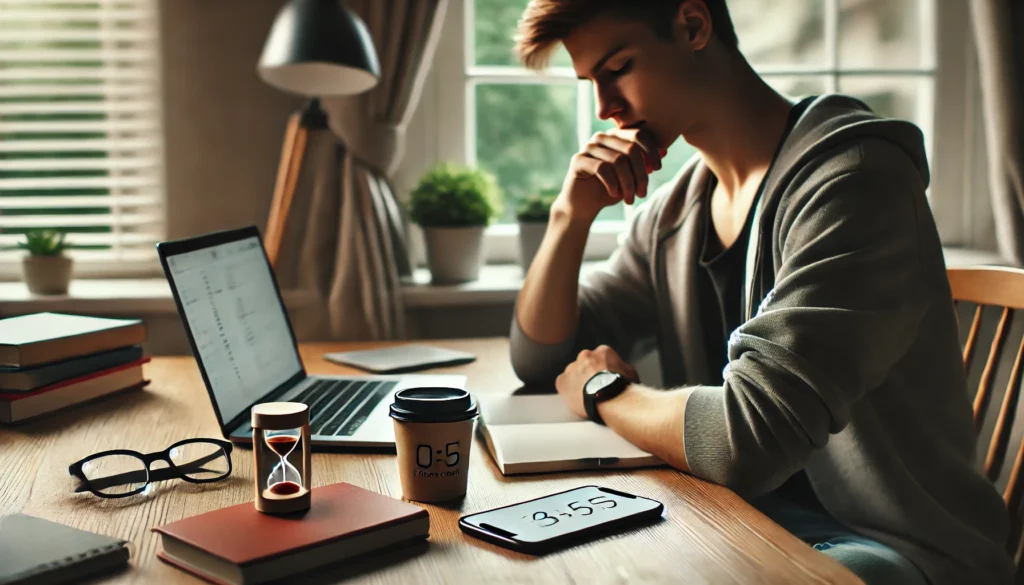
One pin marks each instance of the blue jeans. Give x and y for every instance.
(874, 562)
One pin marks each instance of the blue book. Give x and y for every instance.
(28, 379)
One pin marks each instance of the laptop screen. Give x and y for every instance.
(241, 333)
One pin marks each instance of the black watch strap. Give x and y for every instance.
(590, 405)
(609, 391)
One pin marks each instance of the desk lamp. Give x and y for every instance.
(315, 48)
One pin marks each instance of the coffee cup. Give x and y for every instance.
(433, 435)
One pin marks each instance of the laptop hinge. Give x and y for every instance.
(273, 396)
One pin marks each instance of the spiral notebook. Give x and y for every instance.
(34, 550)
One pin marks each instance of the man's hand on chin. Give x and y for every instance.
(570, 383)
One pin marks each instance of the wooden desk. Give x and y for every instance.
(710, 534)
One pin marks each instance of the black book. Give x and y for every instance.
(36, 551)
(28, 379)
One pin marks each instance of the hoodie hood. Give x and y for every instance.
(833, 120)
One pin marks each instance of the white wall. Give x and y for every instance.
(223, 125)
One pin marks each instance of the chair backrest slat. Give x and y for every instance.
(1002, 289)
(972, 338)
(1012, 493)
(1001, 435)
(985, 386)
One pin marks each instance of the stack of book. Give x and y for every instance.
(50, 361)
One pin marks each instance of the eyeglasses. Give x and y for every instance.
(121, 473)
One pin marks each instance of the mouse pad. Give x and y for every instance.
(401, 358)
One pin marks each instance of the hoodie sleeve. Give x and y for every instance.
(617, 308)
(848, 300)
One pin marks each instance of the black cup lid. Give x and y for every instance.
(433, 405)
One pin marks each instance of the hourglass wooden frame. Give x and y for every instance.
(280, 416)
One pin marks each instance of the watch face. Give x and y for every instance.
(600, 381)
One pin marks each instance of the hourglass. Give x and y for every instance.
(280, 441)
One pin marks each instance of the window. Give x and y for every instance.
(524, 126)
(80, 130)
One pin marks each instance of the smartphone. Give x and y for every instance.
(556, 521)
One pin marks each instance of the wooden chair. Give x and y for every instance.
(991, 301)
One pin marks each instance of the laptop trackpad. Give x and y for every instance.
(401, 358)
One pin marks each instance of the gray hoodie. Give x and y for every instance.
(848, 365)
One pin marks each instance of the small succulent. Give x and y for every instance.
(537, 207)
(44, 242)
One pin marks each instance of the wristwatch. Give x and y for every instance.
(602, 386)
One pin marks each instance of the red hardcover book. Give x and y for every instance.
(240, 546)
(21, 406)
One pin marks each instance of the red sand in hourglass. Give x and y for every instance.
(282, 444)
(284, 488)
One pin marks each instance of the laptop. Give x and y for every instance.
(243, 341)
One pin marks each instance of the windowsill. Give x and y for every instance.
(960, 257)
(146, 295)
(498, 284)
(111, 297)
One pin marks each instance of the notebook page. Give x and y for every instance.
(515, 444)
(518, 410)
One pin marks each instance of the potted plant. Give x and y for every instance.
(453, 205)
(532, 214)
(47, 270)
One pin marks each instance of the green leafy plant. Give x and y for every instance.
(43, 242)
(453, 196)
(537, 207)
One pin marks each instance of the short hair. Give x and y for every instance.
(548, 22)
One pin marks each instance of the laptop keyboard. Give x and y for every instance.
(339, 407)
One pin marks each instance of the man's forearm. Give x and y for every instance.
(653, 420)
(547, 309)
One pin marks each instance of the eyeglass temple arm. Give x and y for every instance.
(139, 476)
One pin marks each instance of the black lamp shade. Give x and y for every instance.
(319, 48)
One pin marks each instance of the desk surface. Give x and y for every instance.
(710, 535)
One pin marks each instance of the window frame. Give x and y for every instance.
(450, 129)
(139, 264)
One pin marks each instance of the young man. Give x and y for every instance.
(794, 283)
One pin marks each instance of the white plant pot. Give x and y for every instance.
(454, 254)
(47, 275)
(531, 234)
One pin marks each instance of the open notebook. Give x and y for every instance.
(538, 433)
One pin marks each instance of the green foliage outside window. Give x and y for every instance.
(527, 132)
(88, 90)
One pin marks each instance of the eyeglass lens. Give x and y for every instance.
(116, 474)
(200, 461)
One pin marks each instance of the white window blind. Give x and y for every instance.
(80, 129)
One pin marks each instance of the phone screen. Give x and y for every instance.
(564, 513)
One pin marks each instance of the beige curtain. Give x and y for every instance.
(998, 25)
(348, 242)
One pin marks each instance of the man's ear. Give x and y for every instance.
(693, 23)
